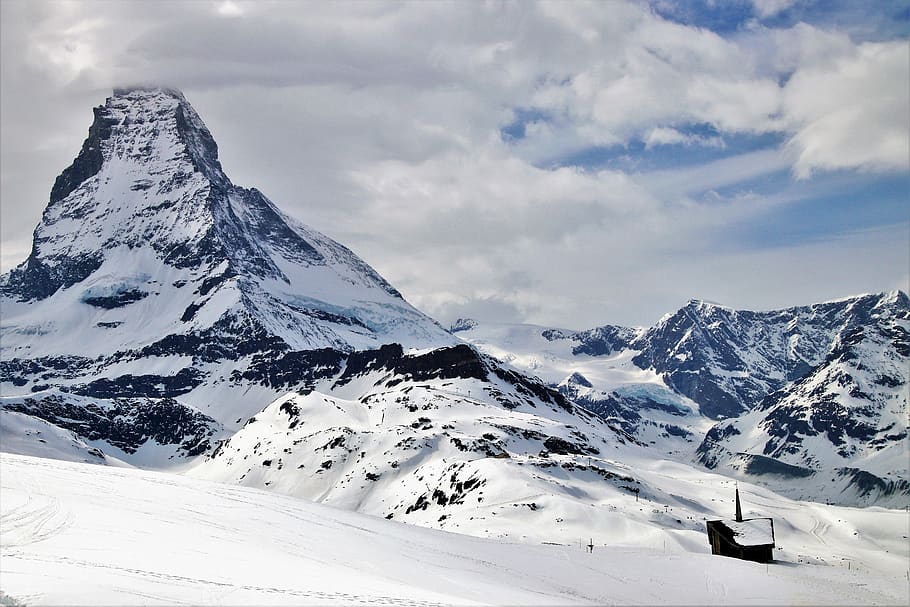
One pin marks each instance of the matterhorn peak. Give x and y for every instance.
(142, 124)
(146, 213)
(148, 90)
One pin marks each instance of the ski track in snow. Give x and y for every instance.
(38, 519)
(819, 528)
(144, 575)
(41, 518)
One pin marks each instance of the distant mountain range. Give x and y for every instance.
(168, 318)
(810, 400)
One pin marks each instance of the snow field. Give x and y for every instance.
(80, 534)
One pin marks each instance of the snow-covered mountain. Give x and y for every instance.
(595, 369)
(165, 313)
(841, 426)
(437, 439)
(154, 283)
(815, 391)
(729, 360)
(145, 225)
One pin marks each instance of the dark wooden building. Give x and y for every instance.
(750, 539)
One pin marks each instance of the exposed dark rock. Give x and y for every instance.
(867, 483)
(677, 431)
(578, 379)
(603, 341)
(36, 279)
(485, 447)
(293, 368)
(127, 423)
(462, 324)
(229, 338)
(363, 362)
(761, 465)
(210, 283)
(561, 446)
(117, 300)
(20, 371)
(90, 158)
(150, 386)
(453, 362)
(190, 311)
(533, 387)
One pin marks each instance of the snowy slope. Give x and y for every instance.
(147, 432)
(25, 434)
(433, 449)
(87, 535)
(436, 439)
(596, 369)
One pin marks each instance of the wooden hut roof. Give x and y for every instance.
(751, 532)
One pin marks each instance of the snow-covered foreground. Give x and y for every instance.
(81, 534)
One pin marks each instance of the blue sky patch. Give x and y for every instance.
(825, 207)
(719, 17)
(515, 130)
(637, 157)
(864, 21)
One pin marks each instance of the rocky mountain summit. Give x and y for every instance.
(145, 216)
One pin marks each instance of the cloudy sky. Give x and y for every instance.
(561, 163)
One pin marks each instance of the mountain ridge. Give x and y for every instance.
(695, 383)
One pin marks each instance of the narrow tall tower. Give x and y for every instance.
(739, 508)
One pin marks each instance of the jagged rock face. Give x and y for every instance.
(462, 324)
(728, 360)
(602, 341)
(135, 182)
(152, 276)
(124, 425)
(844, 424)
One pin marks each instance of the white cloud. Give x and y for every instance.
(227, 8)
(671, 184)
(669, 136)
(853, 113)
(661, 74)
(769, 8)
